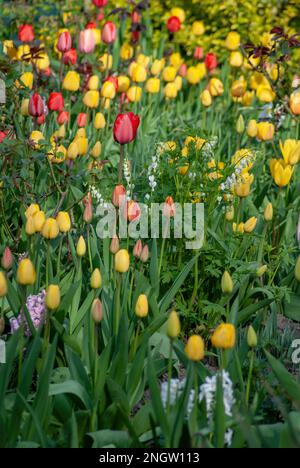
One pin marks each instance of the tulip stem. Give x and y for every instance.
(170, 366)
(249, 376)
(121, 163)
(89, 248)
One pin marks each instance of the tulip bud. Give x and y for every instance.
(32, 209)
(268, 213)
(205, 98)
(99, 121)
(81, 247)
(96, 150)
(63, 221)
(137, 250)
(144, 254)
(230, 214)
(2, 325)
(72, 152)
(224, 336)
(122, 261)
(50, 229)
(97, 310)
(173, 325)
(194, 348)
(52, 297)
(141, 307)
(39, 219)
(25, 107)
(114, 245)
(3, 285)
(251, 337)
(297, 269)
(226, 283)
(252, 128)
(261, 271)
(96, 279)
(30, 227)
(36, 106)
(7, 259)
(250, 225)
(240, 124)
(118, 195)
(26, 272)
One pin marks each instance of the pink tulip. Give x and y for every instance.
(109, 33)
(64, 42)
(86, 41)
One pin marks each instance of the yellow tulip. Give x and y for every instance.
(142, 307)
(290, 150)
(82, 145)
(52, 297)
(265, 93)
(123, 84)
(295, 103)
(97, 310)
(198, 28)
(139, 73)
(236, 59)
(106, 62)
(250, 225)
(36, 136)
(32, 209)
(171, 91)
(91, 98)
(268, 213)
(39, 219)
(169, 74)
(30, 227)
(215, 87)
(153, 85)
(265, 131)
(173, 325)
(224, 336)
(179, 12)
(25, 107)
(122, 261)
(194, 348)
(157, 66)
(81, 247)
(3, 285)
(193, 75)
(126, 52)
(50, 229)
(281, 172)
(63, 221)
(108, 90)
(96, 279)
(134, 94)
(205, 98)
(26, 79)
(252, 128)
(99, 121)
(226, 283)
(72, 152)
(96, 150)
(26, 274)
(71, 81)
(93, 83)
(233, 40)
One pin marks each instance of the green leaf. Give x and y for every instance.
(290, 385)
(74, 388)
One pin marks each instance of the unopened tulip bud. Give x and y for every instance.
(297, 269)
(2, 325)
(52, 297)
(173, 325)
(114, 245)
(261, 271)
(7, 259)
(145, 254)
(72, 152)
(141, 307)
(268, 213)
(250, 225)
(97, 311)
(81, 247)
(137, 250)
(252, 128)
(230, 214)
(88, 213)
(240, 124)
(194, 348)
(118, 195)
(3, 285)
(96, 279)
(26, 272)
(251, 337)
(63, 221)
(96, 150)
(122, 261)
(226, 283)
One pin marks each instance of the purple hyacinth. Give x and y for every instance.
(37, 310)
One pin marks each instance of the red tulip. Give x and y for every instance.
(91, 25)
(118, 195)
(88, 209)
(173, 24)
(26, 33)
(7, 259)
(125, 127)
(169, 208)
(63, 117)
(198, 54)
(109, 33)
(100, 16)
(100, 3)
(211, 61)
(70, 57)
(113, 80)
(41, 119)
(2, 136)
(86, 42)
(36, 106)
(82, 119)
(56, 102)
(135, 36)
(64, 42)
